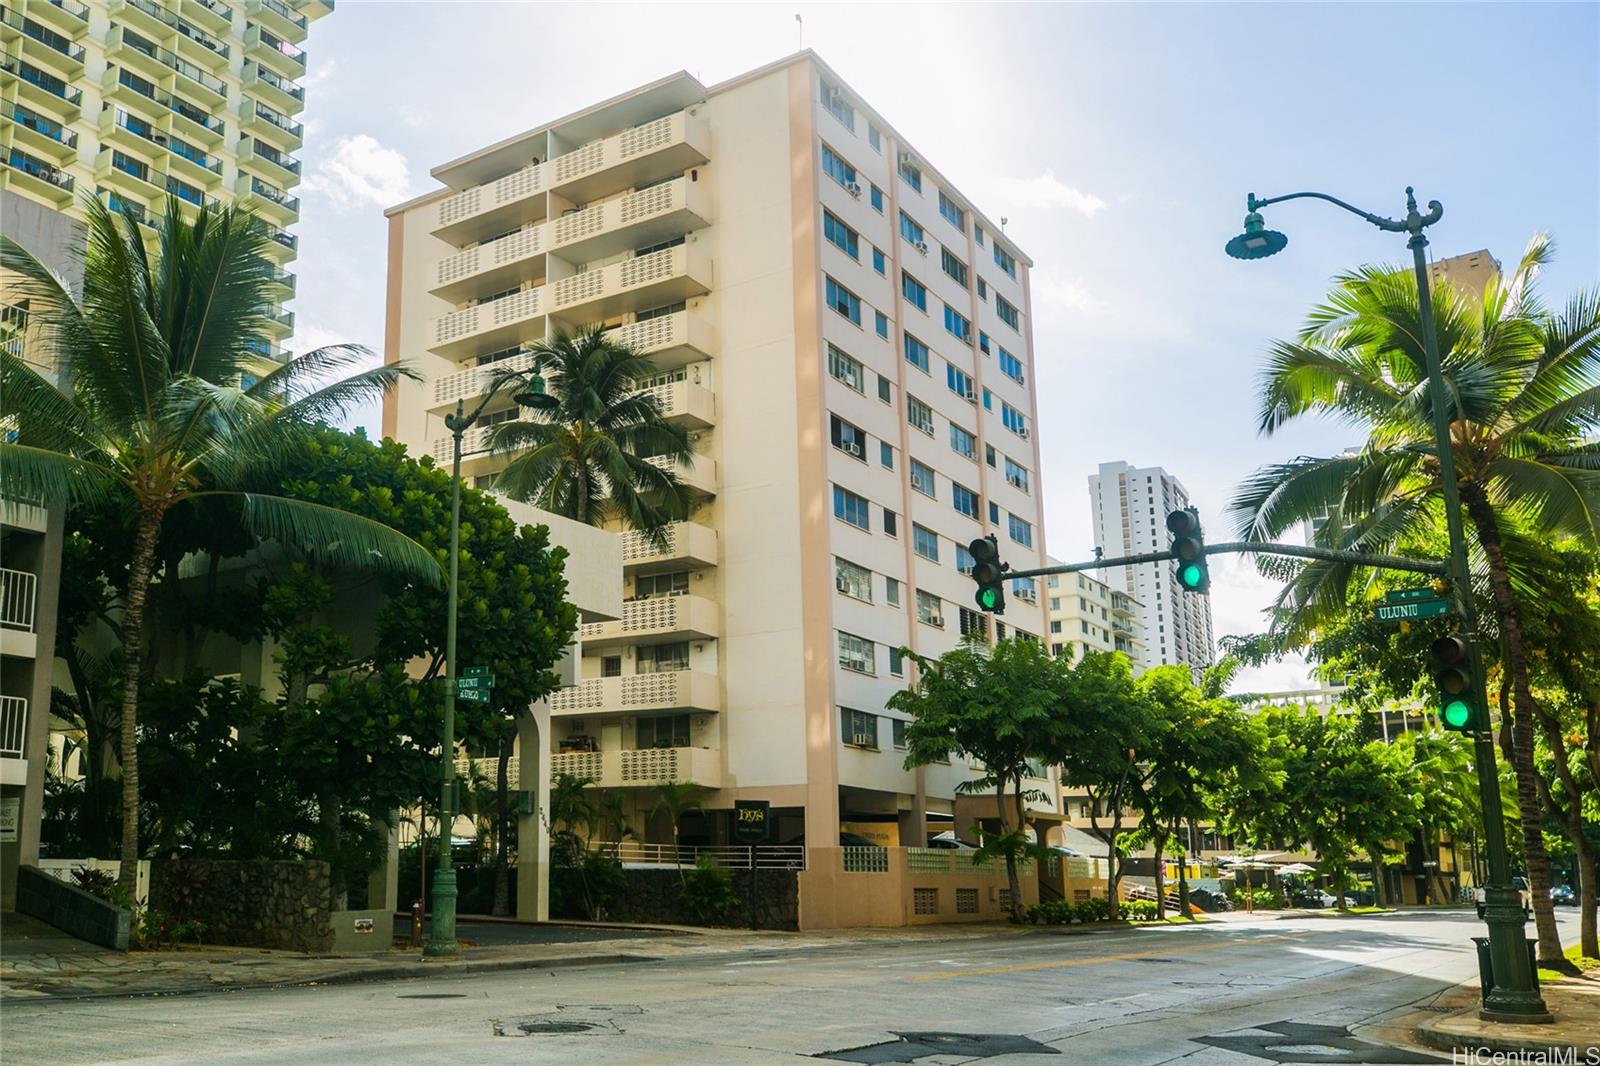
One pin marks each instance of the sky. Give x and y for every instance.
(1119, 140)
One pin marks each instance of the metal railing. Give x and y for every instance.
(18, 591)
(13, 725)
(731, 856)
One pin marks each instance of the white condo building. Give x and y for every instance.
(1131, 505)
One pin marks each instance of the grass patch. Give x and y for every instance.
(1178, 919)
(1577, 963)
(1346, 913)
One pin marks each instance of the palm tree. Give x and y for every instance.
(1524, 384)
(154, 411)
(676, 799)
(585, 451)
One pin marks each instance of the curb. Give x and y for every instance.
(1430, 1035)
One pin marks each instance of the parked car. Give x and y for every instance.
(1061, 849)
(846, 840)
(1563, 895)
(949, 842)
(1523, 894)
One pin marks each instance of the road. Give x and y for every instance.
(1233, 992)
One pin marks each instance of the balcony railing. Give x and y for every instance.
(475, 381)
(293, 18)
(641, 767)
(166, 58)
(268, 41)
(40, 79)
(683, 541)
(43, 34)
(77, 11)
(13, 726)
(283, 85)
(43, 125)
(689, 616)
(266, 114)
(654, 149)
(668, 691)
(167, 18)
(18, 591)
(38, 168)
(485, 259)
(485, 318)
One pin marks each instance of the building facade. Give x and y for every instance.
(847, 339)
(1131, 505)
(1088, 615)
(133, 100)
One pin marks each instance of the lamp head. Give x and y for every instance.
(1256, 242)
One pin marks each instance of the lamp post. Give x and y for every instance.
(442, 929)
(1515, 995)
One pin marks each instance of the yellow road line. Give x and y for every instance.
(1097, 959)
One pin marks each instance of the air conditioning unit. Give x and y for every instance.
(841, 584)
(159, 138)
(922, 247)
(905, 159)
(864, 740)
(936, 620)
(853, 448)
(854, 189)
(972, 397)
(1023, 433)
(834, 96)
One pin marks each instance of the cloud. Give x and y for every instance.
(1048, 191)
(1053, 293)
(362, 172)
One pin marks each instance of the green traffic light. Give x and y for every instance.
(1457, 714)
(987, 598)
(1190, 575)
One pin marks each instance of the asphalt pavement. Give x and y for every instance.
(1240, 992)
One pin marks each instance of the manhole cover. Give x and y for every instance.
(549, 1028)
(434, 995)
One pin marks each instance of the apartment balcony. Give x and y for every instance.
(281, 325)
(279, 92)
(641, 767)
(662, 277)
(64, 16)
(128, 88)
(493, 267)
(268, 200)
(127, 130)
(164, 26)
(144, 56)
(699, 476)
(687, 404)
(40, 176)
(315, 9)
(280, 18)
(40, 135)
(19, 592)
(655, 621)
(214, 15)
(282, 247)
(120, 205)
(487, 327)
(677, 690)
(273, 52)
(201, 48)
(259, 120)
(42, 45)
(195, 125)
(500, 205)
(636, 220)
(273, 164)
(13, 728)
(671, 340)
(668, 145)
(283, 284)
(39, 88)
(193, 165)
(688, 545)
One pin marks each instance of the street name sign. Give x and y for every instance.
(473, 695)
(464, 683)
(1411, 595)
(478, 671)
(1405, 612)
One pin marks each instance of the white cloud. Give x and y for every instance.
(362, 172)
(1047, 191)
(1054, 293)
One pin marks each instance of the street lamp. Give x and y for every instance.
(442, 930)
(1515, 996)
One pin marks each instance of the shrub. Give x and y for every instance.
(1093, 909)
(1137, 910)
(1051, 912)
(707, 890)
(1264, 899)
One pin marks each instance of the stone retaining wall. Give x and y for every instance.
(259, 904)
(654, 896)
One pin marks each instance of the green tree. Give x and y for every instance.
(584, 451)
(994, 707)
(150, 411)
(674, 800)
(1524, 405)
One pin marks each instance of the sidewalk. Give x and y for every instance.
(1450, 1024)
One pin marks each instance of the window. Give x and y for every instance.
(665, 731)
(836, 105)
(890, 523)
(880, 262)
(659, 246)
(925, 542)
(988, 454)
(977, 234)
(877, 199)
(957, 217)
(983, 343)
(851, 508)
(859, 729)
(852, 580)
(973, 623)
(1014, 420)
(886, 454)
(1055, 627)
(922, 478)
(994, 513)
(910, 230)
(957, 324)
(914, 290)
(1016, 475)
(874, 138)
(844, 301)
(988, 400)
(660, 312)
(848, 437)
(891, 592)
(965, 500)
(963, 443)
(661, 658)
(1008, 314)
(611, 666)
(857, 653)
(845, 367)
(983, 289)
(953, 266)
(964, 560)
(1025, 588)
(1004, 260)
(843, 237)
(838, 169)
(885, 389)
(898, 724)
(916, 353)
(656, 586)
(919, 414)
(910, 172)
(1011, 366)
(881, 323)
(1021, 532)
(930, 610)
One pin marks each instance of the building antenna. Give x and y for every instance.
(800, 30)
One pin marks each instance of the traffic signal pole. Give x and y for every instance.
(1250, 547)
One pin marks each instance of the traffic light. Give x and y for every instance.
(1452, 673)
(1189, 545)
(989, 573)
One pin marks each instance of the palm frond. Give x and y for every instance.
(1565, 498)
(47, 477)
(333, 537)
(42, 414)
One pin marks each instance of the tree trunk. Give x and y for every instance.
(1529, 807)
(1012, 879)
(1587, 870)
(1161, 880)
(1379, 894)
(144, 551)
(502, 864)
(330, 817)
(1183, 882)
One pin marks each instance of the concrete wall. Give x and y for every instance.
(72, 910)
(897, 895)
